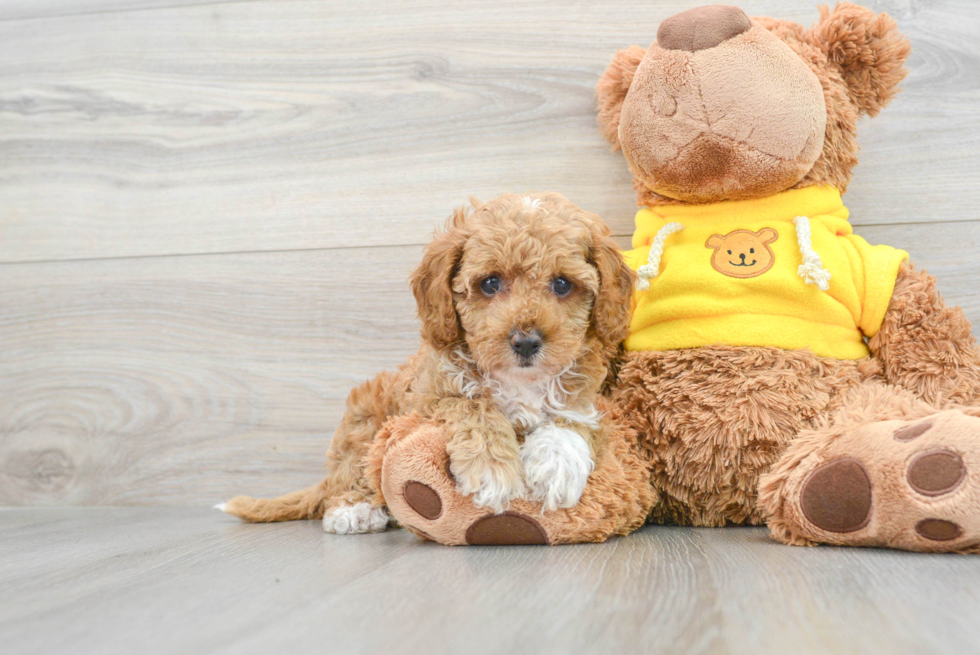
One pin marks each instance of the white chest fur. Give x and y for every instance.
(527, 400)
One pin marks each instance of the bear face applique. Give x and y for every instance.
(742, 253)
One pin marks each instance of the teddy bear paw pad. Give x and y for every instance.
(423, 499)
(507, 529)
(938, 529)
(936, 472)
(901, 484)
(910, 432)
(837, 496)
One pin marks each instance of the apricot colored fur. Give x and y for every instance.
(616, 500)
(527, 241)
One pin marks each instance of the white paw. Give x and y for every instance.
(355, 519)
(556, 466)
(221, 506)
(489, 488)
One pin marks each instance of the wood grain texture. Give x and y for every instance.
(28, 9)
(168, 580)
(192, 379)
(207, 215)
(288, 124)
(208, 210)
(181, 379)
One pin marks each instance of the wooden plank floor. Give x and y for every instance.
(187, 580)
(208, 209)
(207, 214)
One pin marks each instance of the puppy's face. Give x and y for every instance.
(524, 292)
(534, 282)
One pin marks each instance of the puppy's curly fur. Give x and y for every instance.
(522, 422)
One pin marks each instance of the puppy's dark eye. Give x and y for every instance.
(561, 287)
(751, 250)
(490, 285)
(729, 252)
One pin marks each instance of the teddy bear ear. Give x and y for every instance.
(768, 235)
(612, 89)
(868, 50)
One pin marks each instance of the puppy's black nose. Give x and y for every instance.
(742, 255)
(526, 344)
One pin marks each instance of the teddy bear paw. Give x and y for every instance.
(913, 485)
(425, 498)
(419, 489)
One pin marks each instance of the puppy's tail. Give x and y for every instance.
(305, 504)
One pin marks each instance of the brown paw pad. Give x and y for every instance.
(423, 499)
(910, 432)
(507, 529)
(837, 496)
(936, 472)
(938, 530)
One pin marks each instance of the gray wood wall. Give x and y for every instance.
(208, 210)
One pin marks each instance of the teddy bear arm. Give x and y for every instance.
(926, 346)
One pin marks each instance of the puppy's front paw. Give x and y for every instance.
(557, 464)
(491, 481)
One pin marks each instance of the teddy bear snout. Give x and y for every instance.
(702, 27)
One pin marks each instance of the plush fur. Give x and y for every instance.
(926, 346)
(616, 500)
(856, 57)
(713, 420)
(881, 451)
(511, 425)
(864, 429)
(736, 435)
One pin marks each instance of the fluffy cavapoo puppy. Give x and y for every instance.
(523, 302)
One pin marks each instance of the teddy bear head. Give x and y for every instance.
(725, 107)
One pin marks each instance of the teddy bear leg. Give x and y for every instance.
(887, 470)
(411, 470)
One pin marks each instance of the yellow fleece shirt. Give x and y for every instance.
(730, 274)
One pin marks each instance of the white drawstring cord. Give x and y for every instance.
(811, 270)
(651, 269)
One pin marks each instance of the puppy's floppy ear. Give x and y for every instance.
(868, 50)
(432, 284)
(612, 89)
(611, 309)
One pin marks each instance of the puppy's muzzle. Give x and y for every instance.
(526, 344)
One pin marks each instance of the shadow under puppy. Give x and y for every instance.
(523, 304)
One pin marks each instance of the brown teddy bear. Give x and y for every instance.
(779, 369)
